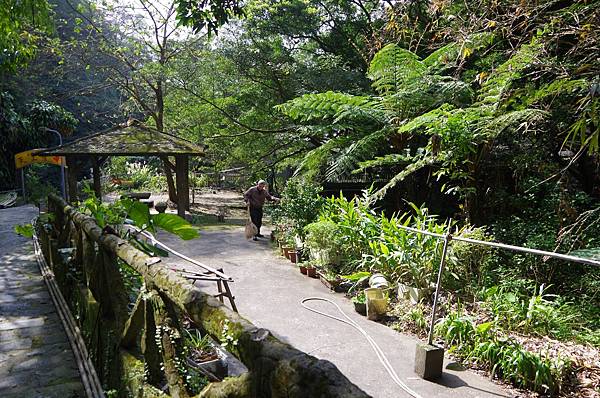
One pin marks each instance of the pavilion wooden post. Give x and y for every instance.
(96, 172)
(72, 166)
(182, 181)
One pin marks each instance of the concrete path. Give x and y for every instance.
(35, 355)
(268, 290)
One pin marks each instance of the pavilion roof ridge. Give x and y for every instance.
(132, 138)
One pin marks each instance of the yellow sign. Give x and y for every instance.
(26, 158)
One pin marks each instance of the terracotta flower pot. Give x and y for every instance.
(303, 269)
(293, 256)
(312, 272)
(286, 251)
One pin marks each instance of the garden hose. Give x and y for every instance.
(380, 355)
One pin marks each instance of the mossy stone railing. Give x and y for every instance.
(136, 348)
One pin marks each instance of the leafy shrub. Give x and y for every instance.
(539, 313)
(300, 206)
(356, 222)
(323, 239)
(465, 265)
(37, 186)
(404, 255)
(504, 357)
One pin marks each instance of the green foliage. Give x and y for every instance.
(45, 114)
(356, 222)
(300, 205)
(323, 239)
(105, 214)
(539, 313)
(174, 224)
(504, 357)
(22, 129)
(38, 184)
(406, 256)
(393, 67)
(465, 265)
(23, 25)
(139, 213)
(115, 214)
(197, 341)
(209, 14)
(25, 230)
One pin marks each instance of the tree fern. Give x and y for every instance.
(317, 159)
(418, 164)
(392, 159)
(359, 150)
(321, 106)
(450, 55)
(501, 79)
(394, 66)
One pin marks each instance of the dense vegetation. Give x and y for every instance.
(484, 111)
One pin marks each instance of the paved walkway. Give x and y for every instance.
(35, 356)
(268, 291)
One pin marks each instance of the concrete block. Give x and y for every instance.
(429, 360)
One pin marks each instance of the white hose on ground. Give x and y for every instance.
(380, 355)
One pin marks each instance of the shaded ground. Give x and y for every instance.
(268, 291)
(35, 356)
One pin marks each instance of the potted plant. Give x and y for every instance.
(288, 242)
(329, 279)
(311, 270)
(302, 268)
(293, 255)
(202, 354)
(323, 242)
(360, 303)
(161, 207)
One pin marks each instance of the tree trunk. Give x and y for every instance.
(170, 182)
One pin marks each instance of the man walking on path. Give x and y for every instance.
(255, 199)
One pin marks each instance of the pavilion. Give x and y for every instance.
(131, 139)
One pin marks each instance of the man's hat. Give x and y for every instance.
(261, 182)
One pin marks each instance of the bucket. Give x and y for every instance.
(378, 281)
(376, 303)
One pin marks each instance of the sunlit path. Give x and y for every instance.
(35, 355)
(268, 290)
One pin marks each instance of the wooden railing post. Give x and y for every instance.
(169, 335)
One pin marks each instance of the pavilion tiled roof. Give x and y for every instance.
(128, 140)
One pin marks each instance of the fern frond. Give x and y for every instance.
(501, 79)
(359, 150)
(320, 106)
(558, 87)
(525, 119)
(427, 121)
(392, 159)
(451, 54)
(315, 161)
(394, 66)
(418, 164)
(372, 111)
